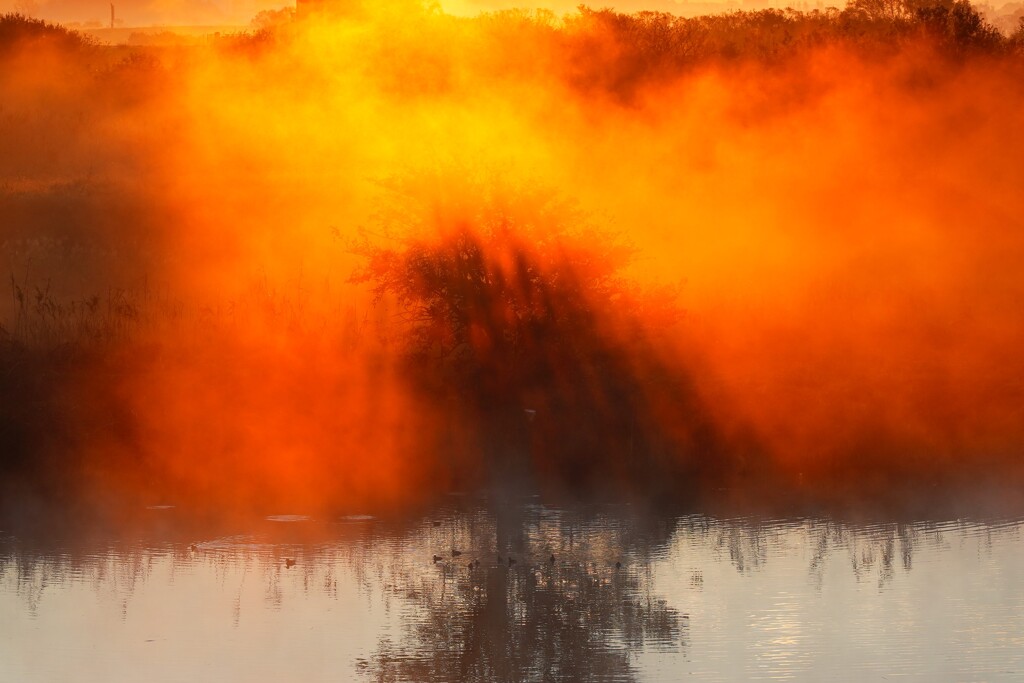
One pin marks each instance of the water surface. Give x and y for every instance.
(592, 594)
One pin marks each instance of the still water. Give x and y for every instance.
(593, 594)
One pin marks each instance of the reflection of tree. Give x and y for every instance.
(886, 548)
(35, 569)
(117, 563)
(874, 550)
(745, 544)
(577, 618)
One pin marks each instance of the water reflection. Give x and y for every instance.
(507, 591)
(534, 594)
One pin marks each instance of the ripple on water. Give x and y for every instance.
(353, 519)
(231, 544)
(289, 518)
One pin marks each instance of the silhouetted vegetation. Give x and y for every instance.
(19, 31)
(604, 51)
(619, 55)
(527, 329)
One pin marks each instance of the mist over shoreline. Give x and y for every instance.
(373, 259)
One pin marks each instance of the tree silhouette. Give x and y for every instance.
(528, 330)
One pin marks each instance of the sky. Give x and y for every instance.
(142, 12)
(218, 12)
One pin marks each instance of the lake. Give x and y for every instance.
(473, 590)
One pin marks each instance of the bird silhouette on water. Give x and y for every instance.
(456, 553)
(437, 558)
(552, 558)
(289, 562)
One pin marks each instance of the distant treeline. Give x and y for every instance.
(651, 42)
(619, 52)
(595, 51)
(605, 50)
(602, 51)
